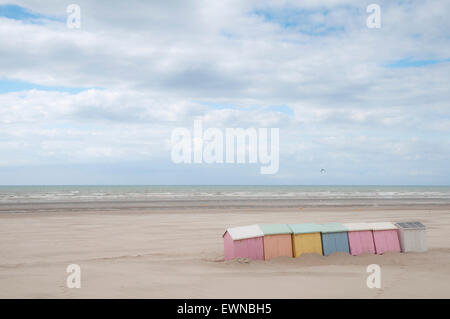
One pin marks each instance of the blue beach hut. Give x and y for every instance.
(334, 238)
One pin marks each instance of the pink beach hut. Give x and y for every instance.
(360, 238)
(385, 237)
(244, 242)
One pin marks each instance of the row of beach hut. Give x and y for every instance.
(267, 241)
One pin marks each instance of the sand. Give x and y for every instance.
(179, 254)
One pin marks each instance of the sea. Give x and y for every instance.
(49, 198)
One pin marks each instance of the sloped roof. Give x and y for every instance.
(305, 228)
(411, 225)
(244, 232)
(382, 226)
(357, 226)
(333, 228)
(274, 229)
(370, 226)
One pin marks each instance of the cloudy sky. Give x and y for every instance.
(97, 105)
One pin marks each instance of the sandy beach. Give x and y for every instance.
(178, 253)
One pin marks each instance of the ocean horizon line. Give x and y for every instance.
(228, 185)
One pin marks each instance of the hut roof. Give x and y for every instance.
(275, 229)
(357, 226)
(410, 225)
(305, 228)
(382, 226)
(244, 232)
(333, 228)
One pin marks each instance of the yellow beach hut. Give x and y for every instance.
(306, 238)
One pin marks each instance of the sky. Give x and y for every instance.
(98, 104)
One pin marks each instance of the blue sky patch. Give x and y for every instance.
(15, 12)
(273, 108)
(302, 21)
(226, 34)
(282, 109)
(7, 86)
(411, 63)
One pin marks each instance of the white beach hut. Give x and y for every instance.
(412, 236)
